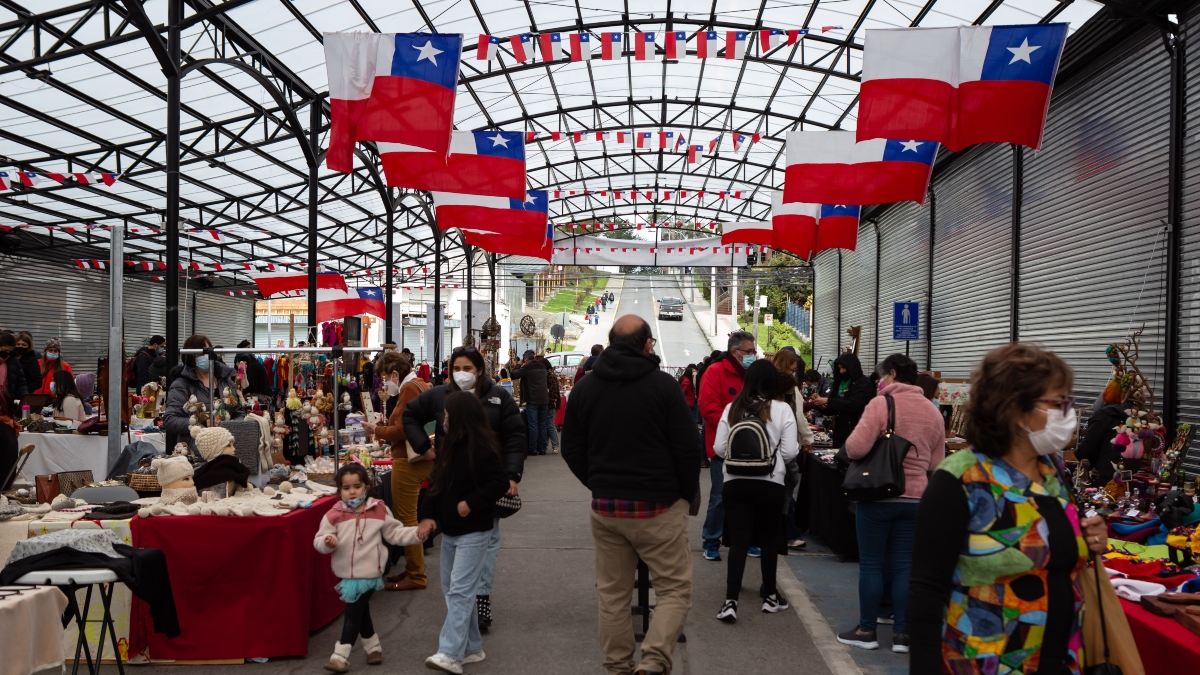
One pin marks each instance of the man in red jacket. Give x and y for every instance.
(722, 382)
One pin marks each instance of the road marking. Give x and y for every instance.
(836, 656)
(686, 353)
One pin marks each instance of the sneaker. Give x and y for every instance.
(443, 663)
(856, 639)
(797, 544)
(775, 602)
(754, 552)
(900, 643)
(483, 607)
(728, 612)
(712, 552)
(474, 658)
(885, 620)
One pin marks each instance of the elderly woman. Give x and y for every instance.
(401, 382)
(999, 545)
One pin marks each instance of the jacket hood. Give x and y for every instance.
(623, 363)
(852, 365)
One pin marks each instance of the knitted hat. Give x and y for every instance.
(171, 469)
(53, 343)
(210, 441)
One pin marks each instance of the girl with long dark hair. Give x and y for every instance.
(468, 477)
(68, 402)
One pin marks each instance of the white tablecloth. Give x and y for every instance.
(53, 453)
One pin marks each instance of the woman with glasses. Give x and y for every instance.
(999, 544)
(468, 373)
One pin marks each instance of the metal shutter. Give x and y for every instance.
(223, 319)
(826, 345)
(858, 294)
(1092, 244)
(903, 272)
(1189, 269)
(971, 257)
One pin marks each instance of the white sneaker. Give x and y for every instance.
(474, 658)
(728, 612)
(775, 603)
(443, 663)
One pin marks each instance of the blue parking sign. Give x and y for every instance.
(906, 321)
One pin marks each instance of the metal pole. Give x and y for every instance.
(1174, 226)
(437, 304)
(116, 352)
(755, 299)
(336, 404)
(388, 319)
(174, 16)
(1014, 265)
(492, 271)
(733, 299)
(929, 286)
(314, 123)
(839, 305)
(470, 289)
(269, 323)
(713, 292)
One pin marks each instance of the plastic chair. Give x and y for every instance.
(105, 494)
(70, 581)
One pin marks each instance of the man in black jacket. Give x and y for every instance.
(642, 473)
(852, 391)
(144, 359)
(535, 394)
(256, 372)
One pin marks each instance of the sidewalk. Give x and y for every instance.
(703, 313)
(597, 334)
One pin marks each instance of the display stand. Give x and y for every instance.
(643, 605)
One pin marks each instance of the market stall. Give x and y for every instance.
(822, 509)
(54, 453)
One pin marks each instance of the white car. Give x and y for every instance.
(566, 363)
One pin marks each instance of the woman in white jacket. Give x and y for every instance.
(753, 502)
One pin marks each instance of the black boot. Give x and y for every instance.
(483, 606)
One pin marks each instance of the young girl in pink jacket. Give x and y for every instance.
(354, 531)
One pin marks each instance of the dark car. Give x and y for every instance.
(670, 308)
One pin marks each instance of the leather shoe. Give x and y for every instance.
(403, 585)
(391, 579)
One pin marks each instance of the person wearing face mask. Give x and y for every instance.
(28, 357)
(194, 378)
(885, 527)
(997, 522)
(51, 363)
(468, 373)
(401, 383)
(144, 359)
(850, 393)
(12, 378)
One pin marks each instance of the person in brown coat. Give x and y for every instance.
(398, 377)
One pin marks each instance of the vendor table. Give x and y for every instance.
(1164, 645)
(53, 453)
(245, 587)
(822, 509)
(32, 638)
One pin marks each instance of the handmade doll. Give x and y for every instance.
(198, 414)
(221, 472)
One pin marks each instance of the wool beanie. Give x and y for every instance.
(53, 343)
(171, 469)
(210, 441)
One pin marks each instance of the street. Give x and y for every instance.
(679, 342)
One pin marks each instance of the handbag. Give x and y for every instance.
(70, 481)
(1108, 645)
(507, 506)
(879, 475)
(47, 488)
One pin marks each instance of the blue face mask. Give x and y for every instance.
(747, 359)
(356, 502)
(202, 362)
(51, 387)
(52, 357)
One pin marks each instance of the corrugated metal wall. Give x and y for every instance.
(825, 309)
(903, 272)
(972, 251)
(1095, 204)
(1189, 273)
(51, 300)
(858, 294)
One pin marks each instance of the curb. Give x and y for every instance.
(836, 656)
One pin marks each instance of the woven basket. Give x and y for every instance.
(320, 476)
(144, 482)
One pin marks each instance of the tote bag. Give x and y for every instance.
(1107, 639)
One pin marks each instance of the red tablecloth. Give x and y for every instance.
(244, 586)
(1164, 645)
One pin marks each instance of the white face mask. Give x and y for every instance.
(463, 379)
(1057, 434)
(392, 388)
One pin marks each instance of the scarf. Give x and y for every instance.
(220, 469)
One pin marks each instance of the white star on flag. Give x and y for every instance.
(1022, 53)
(530, 199)
(498, 140)
(430, 52)
(910, 145)
(368, 292)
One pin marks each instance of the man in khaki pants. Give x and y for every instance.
(628, 435)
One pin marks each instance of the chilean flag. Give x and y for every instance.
(735, 44)
(769, 39)
(674, 39)
(748, 232)
(828, 167)
(391, 87)
(643, 46)
(838, 227)
(5, 181)
(498, 215)
(703, 40)
(29, 178)
(518, 42)
(333, 304)
(271, 283)
(480, 163)
(489, 47)
(738, 139)
(535, 247)
(612, 46)
(794, 225)
(551, 46)
(642, 138)
(960, 86)
(581, 46)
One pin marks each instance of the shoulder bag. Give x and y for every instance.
(879, 475)
(1108, 645)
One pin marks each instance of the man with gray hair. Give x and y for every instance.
(722, 382)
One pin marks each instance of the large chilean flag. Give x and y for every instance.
(748, 232)
(794, 226)
(534, 247)
(838, 227)
(271, 283)
(829, 167)
(961, 85)
(391, 87)
(335, 304)
(480, 163)
(497, 215)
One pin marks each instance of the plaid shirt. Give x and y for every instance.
(625, 508)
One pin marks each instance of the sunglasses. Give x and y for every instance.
(1065, 405)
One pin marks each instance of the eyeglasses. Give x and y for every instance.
(653, 341)
(1065, 405)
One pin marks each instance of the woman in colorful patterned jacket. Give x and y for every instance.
(999, 545)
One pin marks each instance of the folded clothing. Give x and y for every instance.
(1155, 571)
(113, 511)
(87, 541)
(1133, 590)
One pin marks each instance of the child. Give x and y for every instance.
(468, 477)
(354, 531)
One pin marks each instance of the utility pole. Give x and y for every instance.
(755, 299)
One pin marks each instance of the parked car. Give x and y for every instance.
(565, 363)
(670, 308)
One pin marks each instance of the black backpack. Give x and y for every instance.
(748, 451)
